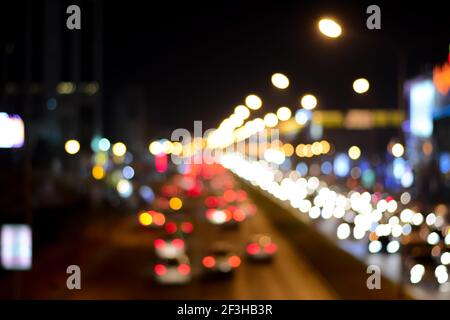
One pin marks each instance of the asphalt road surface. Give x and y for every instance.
(115, 257)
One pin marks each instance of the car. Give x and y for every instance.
(169, 247)
(230, 216)
(261, 247)
(221, 259)
(173, 271)
(419, 262)
(179, 225)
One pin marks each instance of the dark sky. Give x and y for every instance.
(198, 60)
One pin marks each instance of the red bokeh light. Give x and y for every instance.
(187, 227)
(171, 227)
(160, 269)
(209, 261)
(253, 248)
(184, 269)
(234, 261)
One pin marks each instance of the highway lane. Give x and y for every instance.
(116, 262)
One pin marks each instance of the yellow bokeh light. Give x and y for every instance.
(307, 151)
(316, 148)
(236, 121)
(253, 102)
(325, 146)
(288, 149)
(145, 219)
(354, 152)
(167, 147)
(119, 149)
(98, 172)
(284, 113)
(330, 28)
(155, 148)
(101, 158)
(175, 203)
(308, 102)
(299, 150)
(270, 120)
(361, 85)
(177, 148)
(280, 81)
(66, 87)
(242, 112)
(259, 124)
(72, 146)
(398, 150)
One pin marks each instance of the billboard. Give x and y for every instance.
(422, 101)
(16, 247)
(12, 131)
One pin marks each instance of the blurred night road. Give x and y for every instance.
(122, 269)
(229, 150)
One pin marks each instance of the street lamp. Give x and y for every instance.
(119, 149)
(280, 81)
(330, 28)
(253, 102)
(72, 146)
(354, 152)
(361, 85)
(308, 102)
(284, 113)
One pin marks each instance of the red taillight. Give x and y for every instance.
(171, 227)
(241, 195)
(270, 248)
(187, 227)
(178, 243)
(159, 243)
(160, 269)
(253, 248)
(210, 213)
(229, 195)
(211, 202)
(209, 261)
(234, 261)
(228, 215)
(159, 219)
(184, 269)
(238, 215)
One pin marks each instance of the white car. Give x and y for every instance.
(169, 248)
(173, 271)
(220, 260)
(261, 247)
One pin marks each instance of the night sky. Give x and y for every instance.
(198, 61)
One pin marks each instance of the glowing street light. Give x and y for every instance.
(284, 113)
(280, 81)
(330, 28)
(155, 148)
(397, 150)
(72, 146)
(253, 102)
(270, 120)
(308, 102)
(354, 152)
(361, 85)
(119, 149)
(242, 112)
(98, 172)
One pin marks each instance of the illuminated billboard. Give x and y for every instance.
(16, 247)
(12, 131)
(422, 100)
